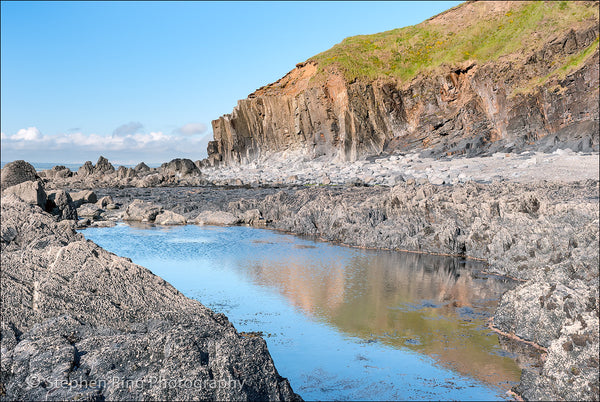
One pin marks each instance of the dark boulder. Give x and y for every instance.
(183, 167)
(17, 172)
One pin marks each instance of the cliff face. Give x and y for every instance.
(541, 97)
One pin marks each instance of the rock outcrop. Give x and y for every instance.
(81, 323)
(515, 102)
(17, 172)
(178, 172)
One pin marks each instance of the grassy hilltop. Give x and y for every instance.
(488, 32)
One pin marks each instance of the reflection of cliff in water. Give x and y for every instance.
(432, 305)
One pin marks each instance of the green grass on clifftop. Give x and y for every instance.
(484, 33)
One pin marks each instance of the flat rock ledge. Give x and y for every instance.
(81, 323)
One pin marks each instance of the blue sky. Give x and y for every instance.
(140, 81)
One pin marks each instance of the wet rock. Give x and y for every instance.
(116, 332)
(141, 211)
(169, 218)
(31, 192)
(17, 172)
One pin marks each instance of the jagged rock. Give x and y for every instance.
(103, 166)
(17, 172)
(86, 169)
(170, 218)
(141, 167)
(141, 211)
(61, 204)
(59, 198)
(84, 196)
(31, 192)
(216, 218)
(181, 167)
(116, 332)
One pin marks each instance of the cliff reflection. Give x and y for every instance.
(432, 305)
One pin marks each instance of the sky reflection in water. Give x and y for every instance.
(340, 323)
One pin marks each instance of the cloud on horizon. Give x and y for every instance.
(124, 144)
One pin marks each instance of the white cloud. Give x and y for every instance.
(150, 147)
(192, 129)
(27, 134)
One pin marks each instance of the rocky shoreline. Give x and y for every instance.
(542, 233)
(81, 323)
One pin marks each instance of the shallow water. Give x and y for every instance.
(340, 323)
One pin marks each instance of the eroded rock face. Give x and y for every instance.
(468, 109)
(116, 332)
(17, 172)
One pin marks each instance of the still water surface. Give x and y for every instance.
(340, 323)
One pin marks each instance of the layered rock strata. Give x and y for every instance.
(516, 102)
